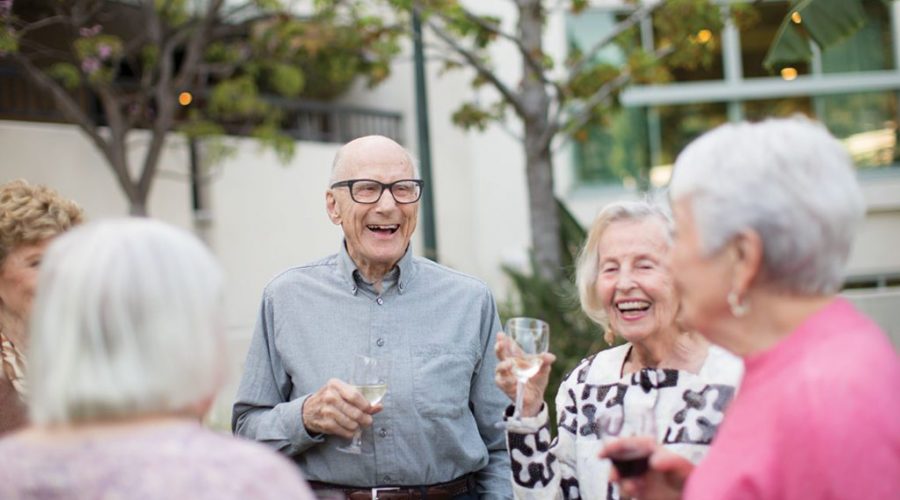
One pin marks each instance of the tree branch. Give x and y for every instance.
(635, 17)
(66, 103)
(479, 67)
(40, 23)
(536, 66)
(583, 115)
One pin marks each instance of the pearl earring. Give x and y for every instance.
(738, 307)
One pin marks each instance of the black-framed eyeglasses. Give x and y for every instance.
(369, 191)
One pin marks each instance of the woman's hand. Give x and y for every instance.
(533, 397)
(663, 481)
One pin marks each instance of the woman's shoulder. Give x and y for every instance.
(244, 468)
(722, 367)
(601, 367)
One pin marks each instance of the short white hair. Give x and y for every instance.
(127, 322)
(787, 179)
(587, 267)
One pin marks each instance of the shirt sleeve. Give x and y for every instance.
(542, 468)
(263, 410)
(487, 403)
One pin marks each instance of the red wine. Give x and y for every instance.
(631, 463)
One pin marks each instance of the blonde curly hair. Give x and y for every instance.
(31, 213)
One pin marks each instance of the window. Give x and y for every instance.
(852, 87)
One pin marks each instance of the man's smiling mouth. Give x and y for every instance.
(383, 228)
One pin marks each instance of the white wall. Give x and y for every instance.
(61, 157)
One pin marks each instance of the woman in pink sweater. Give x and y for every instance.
(765, 216)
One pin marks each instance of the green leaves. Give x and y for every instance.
(67, 74)
(9, 42)
(287, 80)
(826, 22)
(174, 12)
(236, 98)
(99, 55)
(471, 115)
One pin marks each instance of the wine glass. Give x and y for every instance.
(638, 420)
(370, 379)
(532, 338)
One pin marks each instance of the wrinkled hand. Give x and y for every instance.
(533, 397)
(337, 408)
(666, 477)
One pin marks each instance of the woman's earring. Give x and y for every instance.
(738, 307)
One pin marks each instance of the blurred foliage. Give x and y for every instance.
(198, 68)
(573, 336)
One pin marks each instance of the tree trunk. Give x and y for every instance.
(137, 208)
(543, 213)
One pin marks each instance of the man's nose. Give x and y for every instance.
(386, 201)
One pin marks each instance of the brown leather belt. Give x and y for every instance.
(441, 491)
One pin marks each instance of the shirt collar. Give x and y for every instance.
(348, 268)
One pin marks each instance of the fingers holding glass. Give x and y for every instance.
(370, 381)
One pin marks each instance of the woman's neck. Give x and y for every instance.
(672, 349)
(773, 315)
(12, 328)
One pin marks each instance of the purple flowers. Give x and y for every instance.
(104, 51)
(90, 65)
(87, 32)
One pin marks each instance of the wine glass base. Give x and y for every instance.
(352, 450)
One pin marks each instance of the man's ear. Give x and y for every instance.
(331, 206)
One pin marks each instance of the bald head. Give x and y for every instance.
(369, 149)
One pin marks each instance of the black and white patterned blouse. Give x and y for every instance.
(688, 409)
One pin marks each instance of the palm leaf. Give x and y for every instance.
(826, 22)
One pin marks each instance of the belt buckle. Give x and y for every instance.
(376, 490)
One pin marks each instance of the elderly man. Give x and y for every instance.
(434, 434)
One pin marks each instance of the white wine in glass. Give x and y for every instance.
(372, 392)
(370, 379)
(532, 338)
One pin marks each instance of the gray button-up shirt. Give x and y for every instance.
(436, 326)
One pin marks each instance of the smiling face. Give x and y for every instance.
(377, 234)
(634, 284)
(18, 279)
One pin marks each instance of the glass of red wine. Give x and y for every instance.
(637, 421)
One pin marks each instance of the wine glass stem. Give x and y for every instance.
(357, 439)
(520, 390)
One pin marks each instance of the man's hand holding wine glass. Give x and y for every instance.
(338, 408)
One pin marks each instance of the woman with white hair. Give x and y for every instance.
(625, 285)
(126, 354)
(765, 216)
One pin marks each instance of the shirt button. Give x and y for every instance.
(379, 342)
(382, 432)
(387, 479)
(379, 300)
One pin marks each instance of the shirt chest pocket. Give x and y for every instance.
(442, 376)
